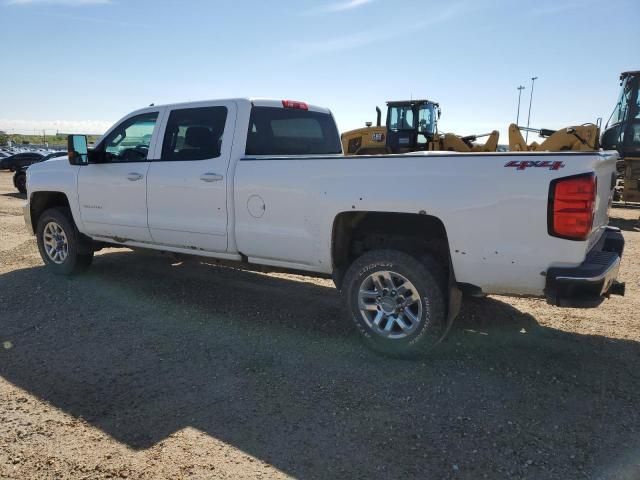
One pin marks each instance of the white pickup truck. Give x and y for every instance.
(264, 183)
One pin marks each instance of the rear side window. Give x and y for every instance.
(284, 131)
(194, 133)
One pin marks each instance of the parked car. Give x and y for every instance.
(262, 183)
(20, 177)
(19, 160)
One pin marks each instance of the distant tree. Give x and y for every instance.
(4, 138)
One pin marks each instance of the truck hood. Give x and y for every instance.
(48, 164)
(55, 175)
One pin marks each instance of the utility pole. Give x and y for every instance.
(520, 88)
(533, 81)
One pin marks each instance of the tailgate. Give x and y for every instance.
(605, 170)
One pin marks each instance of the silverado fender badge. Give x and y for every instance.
(524, 164)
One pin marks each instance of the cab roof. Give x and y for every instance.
(253, 101)
(630, 73)
(396, 103)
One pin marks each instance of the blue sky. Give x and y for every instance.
(79, 65)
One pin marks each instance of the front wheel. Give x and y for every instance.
(396, 301)
(59, 243)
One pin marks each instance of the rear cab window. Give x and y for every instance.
(291, 131)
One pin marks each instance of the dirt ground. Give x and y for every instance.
(149, 368)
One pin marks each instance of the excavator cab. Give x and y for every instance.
(622, 133)
(411, 125)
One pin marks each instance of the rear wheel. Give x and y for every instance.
(20, 181)
(59, 243)
(396, 301)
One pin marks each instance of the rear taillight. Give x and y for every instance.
(295, 104)
(571, 208)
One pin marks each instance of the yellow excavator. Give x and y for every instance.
(622, 133)
(411, 126)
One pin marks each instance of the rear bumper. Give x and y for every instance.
(588, 284)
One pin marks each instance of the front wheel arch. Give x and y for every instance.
(41, 201)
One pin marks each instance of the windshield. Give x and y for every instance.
(620, 111)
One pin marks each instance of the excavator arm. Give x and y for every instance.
(579, 138)
(454, 143)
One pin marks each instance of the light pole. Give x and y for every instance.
(533, 81)
(520, 88)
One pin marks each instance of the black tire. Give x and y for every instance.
(425, 276)
(74, 262)
(20, 181)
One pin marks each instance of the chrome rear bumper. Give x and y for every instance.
(595, 279)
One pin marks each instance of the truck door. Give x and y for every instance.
(113, 192)
(187, 186)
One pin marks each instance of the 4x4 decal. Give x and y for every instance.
(524, 164)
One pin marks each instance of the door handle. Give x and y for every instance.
(210, 177)
(134, 176)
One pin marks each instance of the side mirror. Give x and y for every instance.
(77, 149)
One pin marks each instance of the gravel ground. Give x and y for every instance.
(148, 368)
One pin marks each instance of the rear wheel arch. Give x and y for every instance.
(419, 235)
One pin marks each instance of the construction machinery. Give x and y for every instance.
(579, 138)
(622, 133)
(411, 125)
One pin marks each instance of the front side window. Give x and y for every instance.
(194, 133)
(130, 141)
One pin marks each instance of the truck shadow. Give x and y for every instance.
(141, 348)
